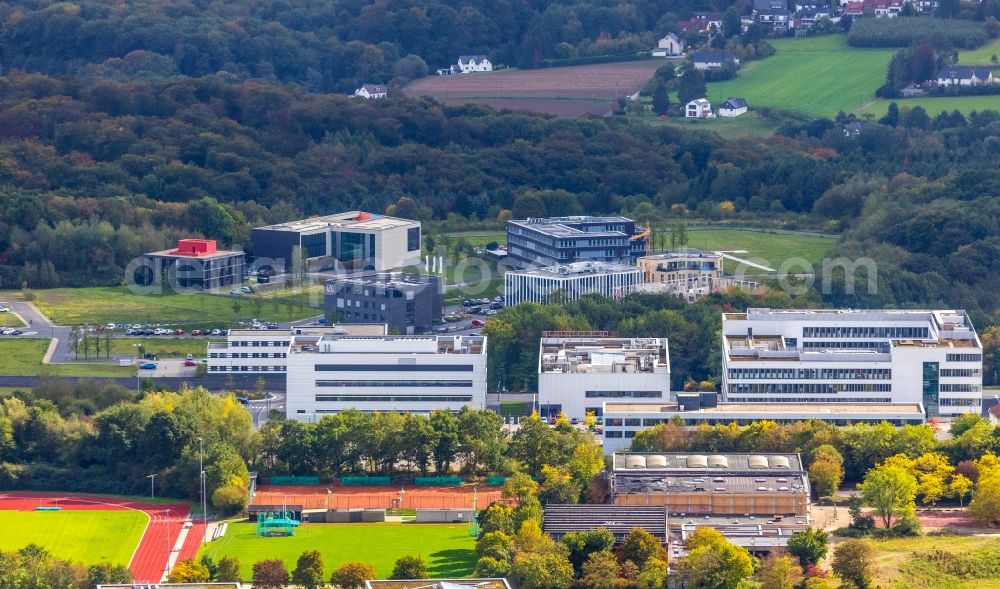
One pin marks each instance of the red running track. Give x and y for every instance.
(153, 552)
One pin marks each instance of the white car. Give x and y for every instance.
(112, 326)
(8, 331)
(4, 309)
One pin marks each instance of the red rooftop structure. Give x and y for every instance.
(194, 247)
(195, 263)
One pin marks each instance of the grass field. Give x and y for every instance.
(171, 347)
(935, 104)
(770, 249)
(749, 124)
(88, 536)
(447, 549)
(96, 305)
(981, 56)
(905, 564)
(10, 320)
(814, 75)
(23, 357)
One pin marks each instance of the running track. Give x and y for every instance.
(165, 523)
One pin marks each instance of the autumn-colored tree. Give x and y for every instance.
(352, 575)
(854, 562)
(779, 572)
(270, 574)
(189, 571)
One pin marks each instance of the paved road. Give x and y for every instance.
(39, 323)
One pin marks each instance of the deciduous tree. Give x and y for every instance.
(854, 562)
(352, 575)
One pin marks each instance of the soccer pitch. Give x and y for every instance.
(448, 549)
(91, 537)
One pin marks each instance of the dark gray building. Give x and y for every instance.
(564, 240)
(193, 264)
(407, 303)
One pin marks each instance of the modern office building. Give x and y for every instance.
(564, 240)
(687, 272)
(849, 356)
(193, 264)
(623, 420)
(355, 240)
(408, 303)
(409, 373)
(260, 351)
(577, 373)
(568, 282)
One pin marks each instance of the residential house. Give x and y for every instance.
(924, 6)
(474, 63)
(808, 15)
(884, 8)
(709, 60)
(669, 46)
(778, 19)
(704, 22)
(699, 108)
(369, 91)
(854, 8)
(965, 76)
(853, 129)
(733, 107)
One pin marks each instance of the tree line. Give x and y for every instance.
(33, 567)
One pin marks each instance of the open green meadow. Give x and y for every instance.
(939, 562)
(749, 124)
(980, 56)
(448, 549)
(91, 537)
(769, 249)
(935, 104)
(168, 347)
(812, 75)
(115, 304)
(10, 320)
(23, 357)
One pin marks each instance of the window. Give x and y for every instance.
(627, 394)
(413, 239)
(394, 383)
(964, 358)
(314, 246)
(394, 368)
(392, 399)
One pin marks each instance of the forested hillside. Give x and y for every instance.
(327, 45)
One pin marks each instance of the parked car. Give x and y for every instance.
(272, 326)
(178, 332)
(4, 309)
(148, 366)
(195, 332)
(477, 323)
(216, 332)
(190, 362)
(235, 292)
(8, 331)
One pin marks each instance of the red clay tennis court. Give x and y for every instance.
(368, 497)
(151, 555)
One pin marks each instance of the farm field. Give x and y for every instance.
(980, 56)
(448, 550)
(23, 357)
(815, 75)
(91, 537)
(96, 305)
(935, 104)
(769, 249)
(911, 563)
(565, 91)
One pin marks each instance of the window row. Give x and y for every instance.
(627, 394)
(964, 358)
(395, 383)
(810, 373)
(805, 389)
(863, 331)
(393, 399)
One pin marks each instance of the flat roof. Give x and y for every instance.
(578, 269)
(347, 220)
(763, 410)
(382, 279)
(939, 316)
(315, 330)
(563, 226)
(704, 462)
(172, 253)
(682, 253)
(390, 344)
(602, 354)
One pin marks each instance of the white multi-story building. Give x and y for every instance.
(259, 351)
(853, 356)
(577, 373)
(415, 374)
(568, 282)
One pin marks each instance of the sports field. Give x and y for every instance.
(813, 75)
(448, 549)
(87, 536)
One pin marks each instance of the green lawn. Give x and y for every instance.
(10, 320)
(170, 347)
(91, 537)
(981, 56)
(96, 305)
(813, 75)
(905, 563)
(480, 238)
(935, 104)
(768, 249)
(23, 357)
(448, 549)
(749, 124)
